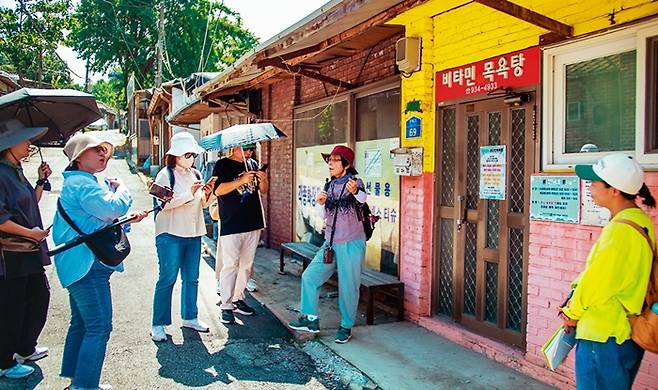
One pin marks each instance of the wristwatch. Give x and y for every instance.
(41, 182)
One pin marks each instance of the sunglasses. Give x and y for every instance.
(190, 155)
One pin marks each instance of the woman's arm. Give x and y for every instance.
(101, 203)
(11, 227)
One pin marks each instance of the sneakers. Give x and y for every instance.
(305, 325)
(197, 325)
(227, 317)
(343, 335)
(218, 289)
(241, 307)
(251, 285)
(39, 353)
(158, 333)
(16, 372)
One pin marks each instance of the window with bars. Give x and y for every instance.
(602, 96)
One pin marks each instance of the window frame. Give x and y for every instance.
(555, 60)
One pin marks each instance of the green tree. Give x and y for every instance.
(199, 35)
(109, 91)
(29, 36)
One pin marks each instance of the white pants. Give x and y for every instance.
(218, 254)
(238, 251)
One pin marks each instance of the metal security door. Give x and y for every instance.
(481, 259)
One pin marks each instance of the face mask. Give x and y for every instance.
(185, 162)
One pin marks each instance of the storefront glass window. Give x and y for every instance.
(321, 126)
(600, 104)
(378, 116)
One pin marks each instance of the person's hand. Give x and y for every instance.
(196, 185)
(246, 178)
(114, 183)
(38, 234)
(138, 216)
(262, 176)
(322, 197)
(568, 323)
(44, 170)
(352, 186)
(208, 187)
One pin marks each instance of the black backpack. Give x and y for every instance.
(172, 181)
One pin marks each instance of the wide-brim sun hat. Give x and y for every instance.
(13, 132)
(343, 151)
(183, 142)
(618, 170)
(80, 142)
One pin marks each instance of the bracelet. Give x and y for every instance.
(41, 182)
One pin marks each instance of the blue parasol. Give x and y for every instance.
(239, 135)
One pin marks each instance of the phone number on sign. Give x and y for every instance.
(483, 87)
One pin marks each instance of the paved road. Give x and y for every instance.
(256, 354)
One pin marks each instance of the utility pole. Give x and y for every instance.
(158, 76)
(87, 76)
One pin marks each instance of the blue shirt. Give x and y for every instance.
(91, 207)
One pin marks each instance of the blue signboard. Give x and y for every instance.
(413, 126)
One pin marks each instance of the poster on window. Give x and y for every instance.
(375, 166)
(555, 198)
(311, 174)
(492, 172)
(590, 213)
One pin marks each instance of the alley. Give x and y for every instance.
(258, 353)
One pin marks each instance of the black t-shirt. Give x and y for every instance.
(239, 210)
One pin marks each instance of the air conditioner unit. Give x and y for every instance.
(407, 54)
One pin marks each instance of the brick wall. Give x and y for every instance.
(278, 101)
(363, 68)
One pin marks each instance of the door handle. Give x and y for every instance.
(461, 208)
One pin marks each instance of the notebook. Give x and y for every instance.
(557, 347)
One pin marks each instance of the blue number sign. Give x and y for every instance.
(413, 126)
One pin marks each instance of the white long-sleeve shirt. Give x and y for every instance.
(183, 215)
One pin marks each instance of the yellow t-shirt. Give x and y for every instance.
(614, 281)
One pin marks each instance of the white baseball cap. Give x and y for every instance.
(619, 170)
(183, 142)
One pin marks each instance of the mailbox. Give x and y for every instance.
(408, 161)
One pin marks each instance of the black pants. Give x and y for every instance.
(23, 308)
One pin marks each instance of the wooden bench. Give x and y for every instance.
(371, 280)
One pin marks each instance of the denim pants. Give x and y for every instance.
(348, 259)
(176, 253)
(91, 323)
(607, 365)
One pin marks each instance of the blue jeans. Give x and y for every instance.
(176, 253)
(91, 323)
(607, 365)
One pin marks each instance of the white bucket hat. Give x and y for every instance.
(13, 132)
(619, 170)
(183, 142)
(77, 144)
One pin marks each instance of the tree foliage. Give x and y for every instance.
(124, 34)
(29, 36)
(109, 91)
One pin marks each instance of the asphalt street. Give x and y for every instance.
(256, 353)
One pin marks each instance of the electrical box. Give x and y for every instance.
(408, 161)
(407, 54)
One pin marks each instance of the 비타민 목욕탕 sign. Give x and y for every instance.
(555, 198)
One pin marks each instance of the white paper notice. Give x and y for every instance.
(590, 213)
(373, 163)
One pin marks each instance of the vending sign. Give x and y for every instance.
(511, 70)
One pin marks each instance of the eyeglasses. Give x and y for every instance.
(101, 149)
(190, 155)
(334, 159)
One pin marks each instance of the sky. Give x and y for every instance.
(265, 18)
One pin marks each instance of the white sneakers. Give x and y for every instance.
(158, 333)
(39, 353)
(197, 325)
(16, 372)
(251, 285)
